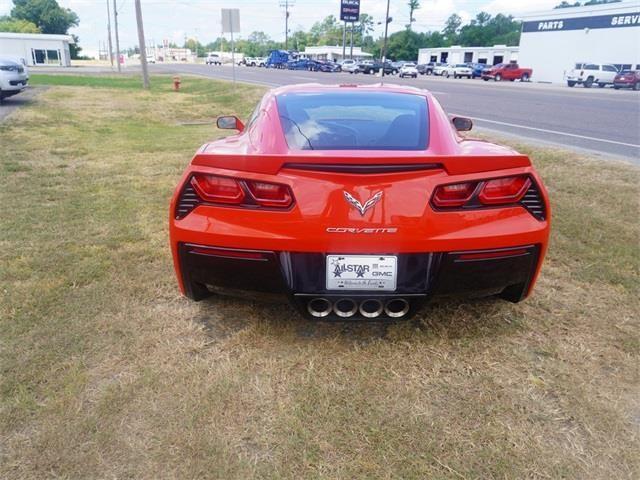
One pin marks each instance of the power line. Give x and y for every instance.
(286, 4)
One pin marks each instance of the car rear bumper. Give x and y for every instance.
(301, 277)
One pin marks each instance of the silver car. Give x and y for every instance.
(13, 78)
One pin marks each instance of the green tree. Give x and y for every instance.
(404, 45)
(8, 24)
(451, 27)
(413, 6)
(46, 14)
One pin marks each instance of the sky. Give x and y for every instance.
(176, 20)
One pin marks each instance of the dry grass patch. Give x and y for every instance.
(108, 373)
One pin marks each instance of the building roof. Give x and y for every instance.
(37, 36)
(584, 11)
(337, 49)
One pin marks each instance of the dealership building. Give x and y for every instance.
(37, 48)
(458, 54)
(552, 42)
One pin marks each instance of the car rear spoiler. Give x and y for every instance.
(376, 163)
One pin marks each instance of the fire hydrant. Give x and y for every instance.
(176, 83)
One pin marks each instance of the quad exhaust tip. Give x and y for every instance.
(319, 307)
(396, 308)
(371, 308)
(345, 308)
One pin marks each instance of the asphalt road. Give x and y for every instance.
(605, 122)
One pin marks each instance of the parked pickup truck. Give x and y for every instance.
(507, 71)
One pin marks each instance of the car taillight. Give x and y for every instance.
(270, 194)
(216, 189)
(503, 190)
(487, 193)
(455, 195)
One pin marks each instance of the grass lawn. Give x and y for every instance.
(107, 372)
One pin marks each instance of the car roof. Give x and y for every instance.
(8, 61)
(371, 88)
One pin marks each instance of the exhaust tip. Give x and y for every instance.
(371, 308)
(319, 307)
(345, 308)
(396, 308)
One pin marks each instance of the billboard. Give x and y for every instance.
(349, 10)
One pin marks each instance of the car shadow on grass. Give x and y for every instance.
(224, 316)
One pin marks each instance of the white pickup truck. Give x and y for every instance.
(586, 74)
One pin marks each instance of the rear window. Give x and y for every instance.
(354, 121)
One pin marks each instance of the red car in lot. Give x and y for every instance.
(357, 202)
(507, 71)
(627, 79)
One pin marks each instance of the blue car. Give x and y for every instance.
(478, 68)
(300, 64)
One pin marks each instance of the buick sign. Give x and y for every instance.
(349, 10)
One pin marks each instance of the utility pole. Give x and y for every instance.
(115, 24)
(351, 52)
(386, 30)
(344, 39)
(142, 46)
(286, 4)
(109, 33)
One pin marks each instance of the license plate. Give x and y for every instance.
(361, 272)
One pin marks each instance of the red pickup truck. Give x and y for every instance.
(507, 71)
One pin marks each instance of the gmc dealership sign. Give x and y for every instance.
(350, 10)
(600, 21)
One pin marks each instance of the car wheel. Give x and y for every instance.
(636, 86)
(498, 77)
(588, 83)
(618, 88)
(524, 77)
(601, 85)
(571, 83)
(395, 72)
(485, 79)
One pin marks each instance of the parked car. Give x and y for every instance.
(425, 68)
(151, 59)
(213, 59)
(260, 62)
(586, 74)
(339, 243)
(627, 79)
(326, 66)
(477, 69)
(507, 71)
(408, 70)
(374, 67)
(349, 65)
(13, 78)
(458, 70)
(301, 64)
(440, 68)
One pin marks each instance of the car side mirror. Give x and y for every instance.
(230, 122)
(462, 124)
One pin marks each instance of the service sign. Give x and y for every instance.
(598, 21)
(349, 10)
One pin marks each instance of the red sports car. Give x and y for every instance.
(357, 202)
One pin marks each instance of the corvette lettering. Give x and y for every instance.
(361, 230)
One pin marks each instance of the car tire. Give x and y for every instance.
(601, 85)
(485, 79)
(571, 83)
(636, 86)
(618, 88)
(497, 78)
(524, 77)
(588, 83)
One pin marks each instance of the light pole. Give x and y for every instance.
(386, 30)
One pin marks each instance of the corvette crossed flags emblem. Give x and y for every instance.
(359, 206)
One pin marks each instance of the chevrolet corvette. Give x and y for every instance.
(357, 202)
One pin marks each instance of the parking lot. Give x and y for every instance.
(605, 122)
